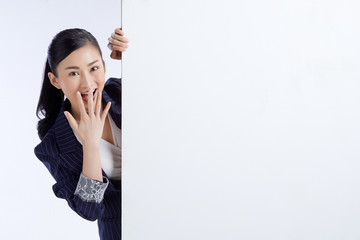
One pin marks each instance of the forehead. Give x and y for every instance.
(81, 57)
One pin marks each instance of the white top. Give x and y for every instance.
(111, 154)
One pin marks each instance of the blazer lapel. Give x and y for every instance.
(70, 150)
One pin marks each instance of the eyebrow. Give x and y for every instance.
(75, 67)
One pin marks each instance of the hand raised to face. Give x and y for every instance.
(89, 127)
(117, 44)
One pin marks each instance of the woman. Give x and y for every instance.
(80, 141)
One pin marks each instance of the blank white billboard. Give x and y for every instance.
(241, 120)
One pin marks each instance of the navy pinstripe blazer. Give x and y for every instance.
(62, 154)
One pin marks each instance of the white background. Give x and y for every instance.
(30, 209)
(241, 120)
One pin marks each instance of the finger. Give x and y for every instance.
(81, 105)
(116, 42)
(123, 39)
(119, 31)
(91, 102)
(98, 103)
(105, 112)
(118, 48)
(73, 123)
(119, 38)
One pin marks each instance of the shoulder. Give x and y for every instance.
(47, 146)
(112, 93)
(113, 83)
(112, 88)
(58, 135)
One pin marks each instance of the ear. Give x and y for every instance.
(53, 80)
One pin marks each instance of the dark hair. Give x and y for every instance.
(51, 98)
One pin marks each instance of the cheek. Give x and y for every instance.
(100, 78)
(69, 88)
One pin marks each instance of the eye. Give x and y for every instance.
(94, 68)
(73, 74)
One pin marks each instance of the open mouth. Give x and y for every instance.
(84, 96)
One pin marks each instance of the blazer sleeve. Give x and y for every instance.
(69, 185)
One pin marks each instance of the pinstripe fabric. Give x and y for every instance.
(62, 154)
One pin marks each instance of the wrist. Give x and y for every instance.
(91, 145)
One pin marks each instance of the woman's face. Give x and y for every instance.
(83, 70)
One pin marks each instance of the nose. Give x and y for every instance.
(85, 81)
